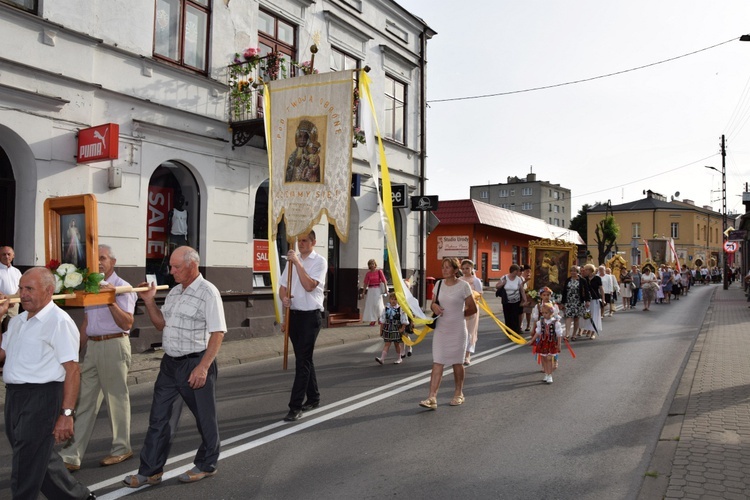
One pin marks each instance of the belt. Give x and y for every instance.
(97, 338)
(298, 311)
(186, 356)
(374, 286)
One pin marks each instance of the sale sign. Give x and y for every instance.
(157, 220)
(260, 256)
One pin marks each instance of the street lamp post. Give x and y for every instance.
(723, 172)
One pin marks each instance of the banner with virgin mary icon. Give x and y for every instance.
(309, 129)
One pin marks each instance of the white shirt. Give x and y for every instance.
(609, 283)
(191, 314)
(179, 222)
(36, 348)
(302, 300)
(9, 279)
(513, 288)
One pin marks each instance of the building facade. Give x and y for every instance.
(697, 231)
(494, 238)
(540, 199)
(158, 70)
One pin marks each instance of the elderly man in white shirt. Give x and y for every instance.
(9, 279)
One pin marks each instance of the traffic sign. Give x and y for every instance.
(731, 246)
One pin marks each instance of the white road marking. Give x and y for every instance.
(373, 396)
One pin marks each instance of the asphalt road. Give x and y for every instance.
(589, 435)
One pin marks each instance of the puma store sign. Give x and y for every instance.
(98, 143)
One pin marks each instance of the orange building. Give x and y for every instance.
(493, 237)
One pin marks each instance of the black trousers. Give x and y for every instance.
(304, 327)
(511, 312)
(171, 383)
(31, 411)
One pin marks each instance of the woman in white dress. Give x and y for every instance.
(592, 326)
(472, 322)
(453, 303)
(374, 284)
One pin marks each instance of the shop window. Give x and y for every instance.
(172, 217)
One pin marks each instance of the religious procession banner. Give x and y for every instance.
(309, 131)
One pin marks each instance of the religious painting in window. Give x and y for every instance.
(71, 230)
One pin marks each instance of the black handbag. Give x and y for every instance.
(433, 323)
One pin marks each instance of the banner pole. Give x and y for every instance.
(286, 315)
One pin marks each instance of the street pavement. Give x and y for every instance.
(704, 448)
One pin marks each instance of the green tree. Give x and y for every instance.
(605, 235)
(579, 224)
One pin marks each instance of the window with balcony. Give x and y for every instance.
(636, 230)
(181, 32)
(674, 230)
(526, 191)
(395, 110)
(341, 61)
(277, 35)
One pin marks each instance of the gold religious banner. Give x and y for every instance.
(551, 261)
(310, 151)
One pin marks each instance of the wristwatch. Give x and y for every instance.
(68, 412)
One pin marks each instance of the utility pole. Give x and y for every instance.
(724, 209)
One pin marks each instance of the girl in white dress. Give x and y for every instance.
(454, 302)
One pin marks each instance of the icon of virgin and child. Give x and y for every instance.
(305, 162)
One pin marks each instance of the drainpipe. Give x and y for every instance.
(422, 160)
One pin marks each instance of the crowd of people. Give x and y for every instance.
(51, 399)
(46, 383)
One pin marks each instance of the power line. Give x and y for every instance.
(646, 178)
(546, 87)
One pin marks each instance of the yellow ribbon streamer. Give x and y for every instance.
(390, 237)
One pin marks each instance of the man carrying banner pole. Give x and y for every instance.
(304, 317)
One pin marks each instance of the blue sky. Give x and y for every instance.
(606, 139)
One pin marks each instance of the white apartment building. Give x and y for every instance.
(158, 69)
(540, 199)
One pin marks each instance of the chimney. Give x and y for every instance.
(689, 202)
(530, 177)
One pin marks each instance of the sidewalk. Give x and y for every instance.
(704, 449)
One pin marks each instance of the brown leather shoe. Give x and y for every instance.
(115, 459)
(71, 467)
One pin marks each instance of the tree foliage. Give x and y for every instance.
(605, 235)
(579, 224)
